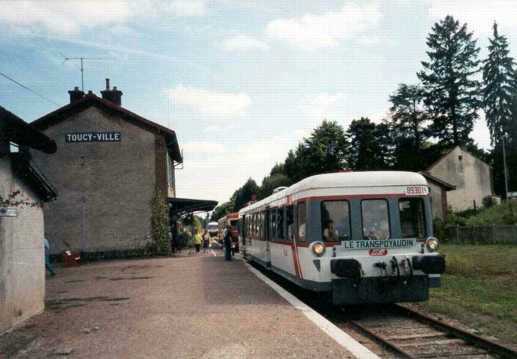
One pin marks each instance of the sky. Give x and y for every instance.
(241, 82)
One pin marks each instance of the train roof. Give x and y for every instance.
(346, 180)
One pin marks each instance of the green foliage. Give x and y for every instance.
(489, 201)
(371, 144)
(452, 92)
(222, 210)
(269, 183)
(244, 194)
(159, 224)
(409, 119)
(324, 151)
(505, 213)
(499, 87)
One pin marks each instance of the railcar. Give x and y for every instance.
(358, 237)
(213, 229)
(230, 220)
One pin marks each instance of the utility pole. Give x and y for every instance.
(82, 59)
(505, 167)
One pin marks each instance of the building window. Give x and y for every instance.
(412, 218)
(335, 221)
(376, 224)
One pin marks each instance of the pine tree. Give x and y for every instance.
(499, 86)
(408, 114)
(370, 145)
(452, 93)
(408, 126)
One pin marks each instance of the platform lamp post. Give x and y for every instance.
(505, 166)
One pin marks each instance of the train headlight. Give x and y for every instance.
(318, 248)
(432, 244)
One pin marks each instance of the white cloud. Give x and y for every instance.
(211, 103)
(188, 7)
(244, 43)
(233, 167)
(63, 17)
(71, 16)
(201, 147)
(318, 107)
(478, 14)
(326, 30)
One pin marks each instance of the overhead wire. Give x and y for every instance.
(28, 89)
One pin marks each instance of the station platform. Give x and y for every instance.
(183, 307)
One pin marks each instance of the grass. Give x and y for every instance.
(480, 289)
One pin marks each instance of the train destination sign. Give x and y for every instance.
(75, 137)
(379, 244)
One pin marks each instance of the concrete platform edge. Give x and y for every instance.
(343, 339)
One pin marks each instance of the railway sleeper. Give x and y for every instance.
(416, 336)
(430, 351)
(436, 342)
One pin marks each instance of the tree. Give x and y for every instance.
(244, 194)
(324, 151)
(499, 79)
(370, 145)
(222, 210)
(452, 92)
(269, 183)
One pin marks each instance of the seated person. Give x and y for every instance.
(330, 234)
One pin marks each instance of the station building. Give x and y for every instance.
(24, 192)
(109, 165)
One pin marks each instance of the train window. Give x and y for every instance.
(272, 223)
(412, 217)
(301, 220)
(289, 222)
(280, 224)
(335, 221)
(376, 224)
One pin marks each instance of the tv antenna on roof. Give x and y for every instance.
(82, 59)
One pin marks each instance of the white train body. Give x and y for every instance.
(363, 237)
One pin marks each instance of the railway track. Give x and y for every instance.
(399, 331)
(411, 334)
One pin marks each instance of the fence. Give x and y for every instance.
(496, 234)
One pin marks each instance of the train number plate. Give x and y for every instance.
(379, 244)
(417, 191)
(378, 252)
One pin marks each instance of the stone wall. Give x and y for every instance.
(104, 188)
(471, 176)
(22, 268)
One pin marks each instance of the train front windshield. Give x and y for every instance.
(374, 218)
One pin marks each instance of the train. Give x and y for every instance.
(230, 221)
(353, 237)
(213, 229)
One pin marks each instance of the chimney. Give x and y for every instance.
(75, 94)
(112, 95)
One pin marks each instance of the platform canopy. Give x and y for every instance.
(182, 206)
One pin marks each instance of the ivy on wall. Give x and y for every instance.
(160, 224)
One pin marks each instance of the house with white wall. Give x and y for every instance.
(470, 176)
(23, 193)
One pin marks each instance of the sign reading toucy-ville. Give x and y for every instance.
(75, 137)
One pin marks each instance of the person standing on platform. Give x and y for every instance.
(206, 241)
(48, 266)
(197, 241)
(228, 244)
